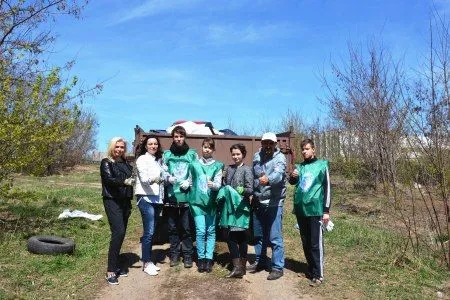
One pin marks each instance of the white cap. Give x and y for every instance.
(269, 136)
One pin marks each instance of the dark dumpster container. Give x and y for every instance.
(222, 153)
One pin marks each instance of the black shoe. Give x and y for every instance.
(201, 265)
(209, 265)
(188, 262)
(244, 264)
(122, 273)
(315, 282)
(174, 261)
(275, 274)
(112, 279)
(238, 269)
(255, 267)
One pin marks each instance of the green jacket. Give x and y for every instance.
(178, 166)
(236, 209)
(202, 198)
(312, 190)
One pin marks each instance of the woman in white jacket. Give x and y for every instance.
(149, 195)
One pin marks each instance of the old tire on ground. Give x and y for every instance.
(50, 244)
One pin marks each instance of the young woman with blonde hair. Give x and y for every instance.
(117, 192)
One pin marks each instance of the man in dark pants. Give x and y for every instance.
(179, 231)
(178, 179)
(311, 207)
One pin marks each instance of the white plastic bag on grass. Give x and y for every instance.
(78, 214)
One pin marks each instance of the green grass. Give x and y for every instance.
(363, 255)
(366, 258)
(377, 258)
(32, 208)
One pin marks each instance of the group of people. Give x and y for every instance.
(201, 187)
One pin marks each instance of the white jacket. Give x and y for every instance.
(147, 169)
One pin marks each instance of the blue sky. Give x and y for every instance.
(236, 61)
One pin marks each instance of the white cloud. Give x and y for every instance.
(163, 74)
(230, 34)
(271, 92)
(154, 7)
(184, 98)
(129, 98)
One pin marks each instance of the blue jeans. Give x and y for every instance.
(268, 229)
(206, 231)
(149, 213)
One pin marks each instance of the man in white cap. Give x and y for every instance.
(269, 168)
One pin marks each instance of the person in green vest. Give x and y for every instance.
(206, 181)
(235, 215)
(178, 160)
(312, 207)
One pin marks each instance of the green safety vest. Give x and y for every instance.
(236, 209)
(309, 193)
(178, 166)
(202, 199)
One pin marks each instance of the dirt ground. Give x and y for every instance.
(181, 283)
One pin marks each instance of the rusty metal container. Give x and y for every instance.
(222, 153)
(223, 144)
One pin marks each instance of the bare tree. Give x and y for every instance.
(400, 129)
(22, 37)
(77, 146)
(428, 144)
(364, 99)
(293, 120)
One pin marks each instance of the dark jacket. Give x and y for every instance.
(242, 176)
(113, 175)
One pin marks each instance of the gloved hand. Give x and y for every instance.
(155, 179)
(328, 226)
(240, 190)
(184, 184)
(172, 179)
(129, 181)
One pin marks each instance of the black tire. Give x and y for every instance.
(50, 244)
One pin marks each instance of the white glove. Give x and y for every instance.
(155, 179)
(172, 179)
(184, 184)
(129, 181)
(328, 227)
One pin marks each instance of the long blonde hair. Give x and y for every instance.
(112, 145)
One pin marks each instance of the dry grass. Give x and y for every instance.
(363, 254)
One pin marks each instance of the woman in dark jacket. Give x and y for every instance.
(240, 178)
(117, 192)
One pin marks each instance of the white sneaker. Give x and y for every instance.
(150, 270)
(154, 266)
